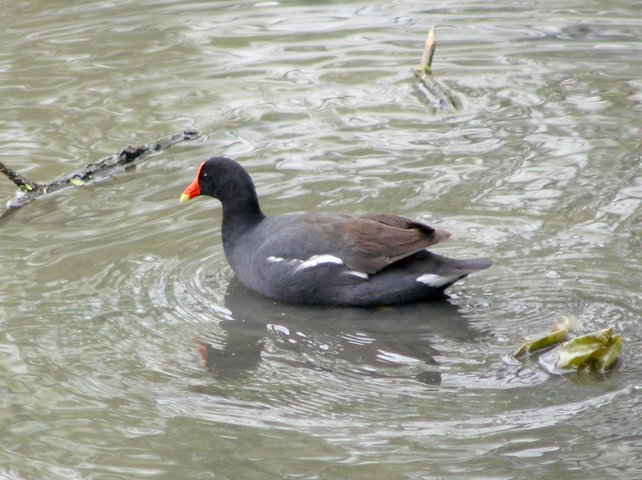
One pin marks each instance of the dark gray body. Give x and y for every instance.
(326, 259)
(271, 257)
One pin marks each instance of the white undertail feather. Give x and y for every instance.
(436, 281)
(357, 274)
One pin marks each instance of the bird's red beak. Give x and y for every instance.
(194, 188)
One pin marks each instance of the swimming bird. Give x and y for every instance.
(322, 258)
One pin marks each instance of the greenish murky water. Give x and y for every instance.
(127, 348)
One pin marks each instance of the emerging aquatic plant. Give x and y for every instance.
(594, 352)
(597, 352)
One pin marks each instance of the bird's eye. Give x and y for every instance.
(205, 175)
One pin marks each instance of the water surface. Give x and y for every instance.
(127, 348)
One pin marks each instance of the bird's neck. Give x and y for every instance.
(240, 214)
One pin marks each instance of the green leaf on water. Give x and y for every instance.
(558, 335)
(596, 351)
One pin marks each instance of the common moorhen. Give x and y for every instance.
(326, 259)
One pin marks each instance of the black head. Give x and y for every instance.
(227, 181)
(221, 178)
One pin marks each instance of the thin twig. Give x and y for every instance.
(429, 52)
(434, 91)
(22, 182)
(32, 190)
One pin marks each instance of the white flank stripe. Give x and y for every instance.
(275, 259)
(436, 281)
(318, 260)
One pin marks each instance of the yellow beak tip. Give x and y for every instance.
(184, 198)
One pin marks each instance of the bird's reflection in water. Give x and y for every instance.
(363, 339)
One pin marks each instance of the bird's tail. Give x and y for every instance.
(440, 272)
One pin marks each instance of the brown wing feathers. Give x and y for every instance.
(374, 242)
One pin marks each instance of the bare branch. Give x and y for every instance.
(32, 190)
